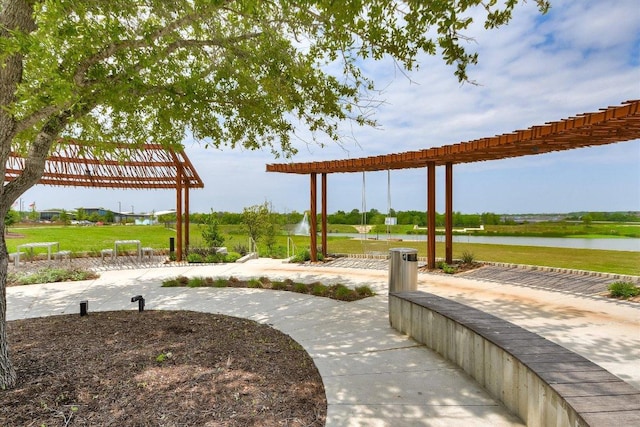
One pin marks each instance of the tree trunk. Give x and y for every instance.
(14, 15)
(7, 371)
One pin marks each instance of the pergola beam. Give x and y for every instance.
(610, 125)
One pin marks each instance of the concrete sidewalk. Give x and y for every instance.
(373, 376)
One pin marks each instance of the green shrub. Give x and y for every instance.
(212, 258)
(279, 286)
(343, 293)
(446, 268)
(300, 288)
(220, 283)
(170, 283)
(623, 290)
(232, 257)
(254, 283)
(303, 256)
(195, 258)
(468, 257)
(319, 290)
(196, 282)
(183, 280)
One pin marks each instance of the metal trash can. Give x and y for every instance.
(403, 269)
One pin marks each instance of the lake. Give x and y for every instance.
(618, 244)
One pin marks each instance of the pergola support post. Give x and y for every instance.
(313, 220)
(324, 215)
(431, 215)
(179, 215)
(186, 216)
(448, 216)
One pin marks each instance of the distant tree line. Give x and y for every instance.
(410, 217)
(604, 216)
(354, 217)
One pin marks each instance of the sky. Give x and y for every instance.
(580, 57)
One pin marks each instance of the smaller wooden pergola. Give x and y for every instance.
(142, 167)
(607, 126)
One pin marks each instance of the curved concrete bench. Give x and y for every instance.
(542, 382)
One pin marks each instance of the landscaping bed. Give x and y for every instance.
(159, 368)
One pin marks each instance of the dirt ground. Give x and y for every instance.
(159, 368)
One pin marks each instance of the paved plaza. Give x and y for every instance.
(373, 375)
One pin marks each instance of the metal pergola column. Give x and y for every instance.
(431, 215)
(313, 220)
(324, 215)
(179, 215)
(448, 214)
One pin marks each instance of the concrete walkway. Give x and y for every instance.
(373, 376)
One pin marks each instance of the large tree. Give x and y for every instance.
(244, 73)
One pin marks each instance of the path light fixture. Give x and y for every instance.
(140, 300)
(84, 307)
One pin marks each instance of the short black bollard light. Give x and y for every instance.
(140, 300)
(84, 307)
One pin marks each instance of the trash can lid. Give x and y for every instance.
(404, 250)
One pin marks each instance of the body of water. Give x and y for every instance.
(619, 244)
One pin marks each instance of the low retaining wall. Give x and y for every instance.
(543, 383)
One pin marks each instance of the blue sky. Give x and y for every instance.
(582, 56)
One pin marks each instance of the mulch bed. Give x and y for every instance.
(159, 368)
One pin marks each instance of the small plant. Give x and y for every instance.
(254, 283)
(232, 257)
(241, 249)
(220, 283)
(343, 293)
(623, 290)
(319, 290)
(162, 357)
(364, 291)
(196, 282)
(264, 280)
(183, 280)
(446, 268)
(170, 283)
(278, 286)
(212, 258)
(468, 257)
(300, 288)
(303, 256)
(195, 258)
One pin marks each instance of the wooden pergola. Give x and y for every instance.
(607, 126)
(150, 166)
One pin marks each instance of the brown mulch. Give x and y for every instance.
(159, 368)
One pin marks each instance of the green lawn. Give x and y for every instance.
(91, 238)
(94, 238)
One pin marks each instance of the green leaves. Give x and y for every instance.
(246, 73)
